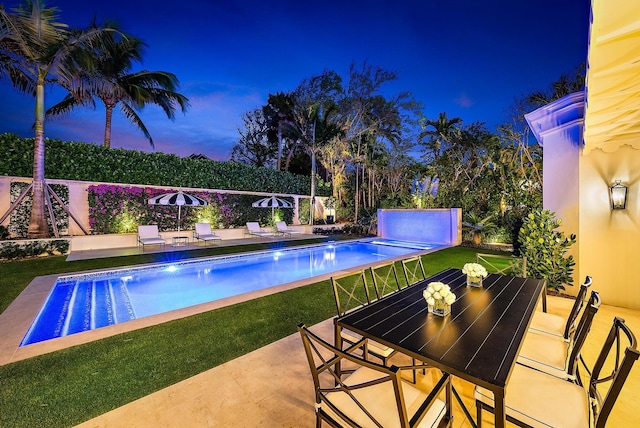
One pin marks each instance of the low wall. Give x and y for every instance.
(127, 240)
(79, 205)
(435, 226)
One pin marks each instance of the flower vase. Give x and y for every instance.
(474, 281)
(440, 308)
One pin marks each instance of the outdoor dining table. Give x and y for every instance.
(478, 341)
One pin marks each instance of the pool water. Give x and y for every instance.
(85, 302)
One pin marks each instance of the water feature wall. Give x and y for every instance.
(436, 226)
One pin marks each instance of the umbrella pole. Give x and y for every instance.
(179, 212)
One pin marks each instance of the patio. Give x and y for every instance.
(264, 389)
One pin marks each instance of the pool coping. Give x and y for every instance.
(17, 318)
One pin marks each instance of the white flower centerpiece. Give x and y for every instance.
(475, 272)
(439, 298)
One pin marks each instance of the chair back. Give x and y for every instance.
(385, 279)
(366, 396)
(203, 228)
(575, 309)
(413, 270)
(580, 335)
(503, 265)
(350, 291)
(281, 226)
(601, 407)
(253, 226)
(148, 231)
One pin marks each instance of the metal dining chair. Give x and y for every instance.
(554, 355)
(556, 325)
(534, 398)
(385, 279)
(413, 270)
(350, 292)
(371, 394)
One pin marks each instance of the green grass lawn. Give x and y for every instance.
(70, 386)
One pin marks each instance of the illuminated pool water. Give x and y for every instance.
(78, 303)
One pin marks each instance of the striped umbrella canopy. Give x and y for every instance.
(178, 198)
(273, 203)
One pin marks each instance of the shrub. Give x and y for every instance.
(12, 250)
(545, 249)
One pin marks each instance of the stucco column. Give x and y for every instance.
(558, 128)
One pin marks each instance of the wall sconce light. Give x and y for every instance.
(618, 194)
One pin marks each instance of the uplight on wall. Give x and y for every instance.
(618, 195)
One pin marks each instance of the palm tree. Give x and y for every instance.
(315, 125)
(443, 127)
(108, 78)
(39, 50)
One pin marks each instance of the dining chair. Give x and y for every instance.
(556, 325)
(371, 394)
(552, 354)
(351, 291)
(385, 279)
(503, 265)
(413, 270)
(534, 398)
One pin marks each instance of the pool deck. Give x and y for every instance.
(132, 251)
(272, 387)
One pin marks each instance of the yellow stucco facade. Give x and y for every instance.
(609, 247)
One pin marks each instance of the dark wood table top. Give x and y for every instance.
(479, 341)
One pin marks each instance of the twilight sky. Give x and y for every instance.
(468, 58)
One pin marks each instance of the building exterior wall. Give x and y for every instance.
(558, 128)
(609, 243)
(576, 188)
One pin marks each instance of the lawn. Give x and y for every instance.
(70, 386)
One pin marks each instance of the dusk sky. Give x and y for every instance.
(468, 58)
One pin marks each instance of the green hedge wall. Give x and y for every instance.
(88, 162)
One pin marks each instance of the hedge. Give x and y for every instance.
(89, 162)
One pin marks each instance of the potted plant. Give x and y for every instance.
(330, 206)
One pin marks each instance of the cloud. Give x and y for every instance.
(464, 101)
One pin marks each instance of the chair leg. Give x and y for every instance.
(478, 413)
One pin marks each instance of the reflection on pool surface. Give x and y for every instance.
(89, 301)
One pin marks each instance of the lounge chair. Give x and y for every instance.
(203, 233)
(148, 235)
(253, 229)
(281, 227)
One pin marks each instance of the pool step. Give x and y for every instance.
(86, 305)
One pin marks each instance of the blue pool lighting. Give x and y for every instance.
(84, 302)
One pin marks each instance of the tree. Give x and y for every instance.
(371, 119)
(39, 49)
(565, 85)
(439, 136)
(254, 148)
(108, 77)
(278, 112)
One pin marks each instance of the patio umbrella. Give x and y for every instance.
(273, 203)
(178, 198)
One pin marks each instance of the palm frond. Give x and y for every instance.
(133, 117)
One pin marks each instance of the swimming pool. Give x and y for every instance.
(84, 302)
